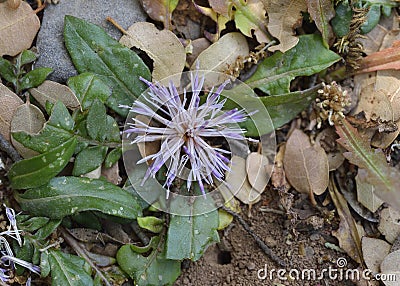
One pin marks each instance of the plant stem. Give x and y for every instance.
(9, 149)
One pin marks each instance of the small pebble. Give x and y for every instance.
(251, 266)
(315, 237)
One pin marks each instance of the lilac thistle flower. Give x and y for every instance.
(185, 126)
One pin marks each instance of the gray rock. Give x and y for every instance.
(50, 40)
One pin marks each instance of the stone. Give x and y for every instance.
(50, 40)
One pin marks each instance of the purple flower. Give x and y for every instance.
(183, 126)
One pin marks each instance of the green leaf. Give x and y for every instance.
(151, 223)
(153, 270)
(64, 196)
(373, 16)
(274, 74)
(67, 269)
(112, 130)
(34, 78)
(92, 50)
(281, 108)
(38, 170)
(27, 57)
(7, 71)
(112, 157)
(44, 264)
(189, 236)
(89, 159)
(34, 223)
(60, 117)
(88, 87)
(96, 123)
(341, 22)
(48, 229)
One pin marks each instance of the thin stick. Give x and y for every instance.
(268, 251)
(118, 26)
(9, 149)
(82, 252)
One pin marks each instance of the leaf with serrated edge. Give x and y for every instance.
(163, 47)
(274, 74)
(379, 173)
(18, 28)
(9, 103)
(306, 166)
(321, 11)
(92, 50)
(53, 91)
(38, 170)
(284, 16)
(64, 196)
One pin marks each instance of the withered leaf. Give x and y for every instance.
(390, 266)
(220, 55)
(52, 92)
(30, 119)
(150, 147)
(258, 171)
(374, 251)
(349, 233)
(163, 47)
(9, 103)
(366, 193)
(18, 28)
(389, 224)
(379, 174)
(321, 11)
(160, 10)
(306, 166)
(375, 104)
(386, 59)
(238, 184)
(284, 16)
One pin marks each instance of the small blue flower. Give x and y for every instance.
(185, 126)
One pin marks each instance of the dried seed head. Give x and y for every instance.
(331, 103)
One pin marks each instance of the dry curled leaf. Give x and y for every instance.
(349, 232)
(18, 28)
(238, 184)
(30, 119)
(52, 92)
(220, 55)
(306, 166)
(321, 11)
(258, 171)
(9, 103)
(163, 47)
(374, 251)
(284, 17)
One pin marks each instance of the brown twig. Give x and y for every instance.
(81, 252)
(268, 251)
(118, 26)
(9, 149)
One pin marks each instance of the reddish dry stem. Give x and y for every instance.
(118, 26)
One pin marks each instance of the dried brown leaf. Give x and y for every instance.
(366, 193)
(30, 119)
(374, 251)
(220, 55)
(112, 174)
(375, 104)
(284, 16)
(390, 266)
(160, 10)
(258, 171)
(53, 91)
(321, 11)
(306, 166)
(278, 176)
(389, 224)
(9, 103)
(386, 59)
(197, 47)
(147, 148)
(18, 28)
(238, 184)
(163, 47)
(349, 233)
